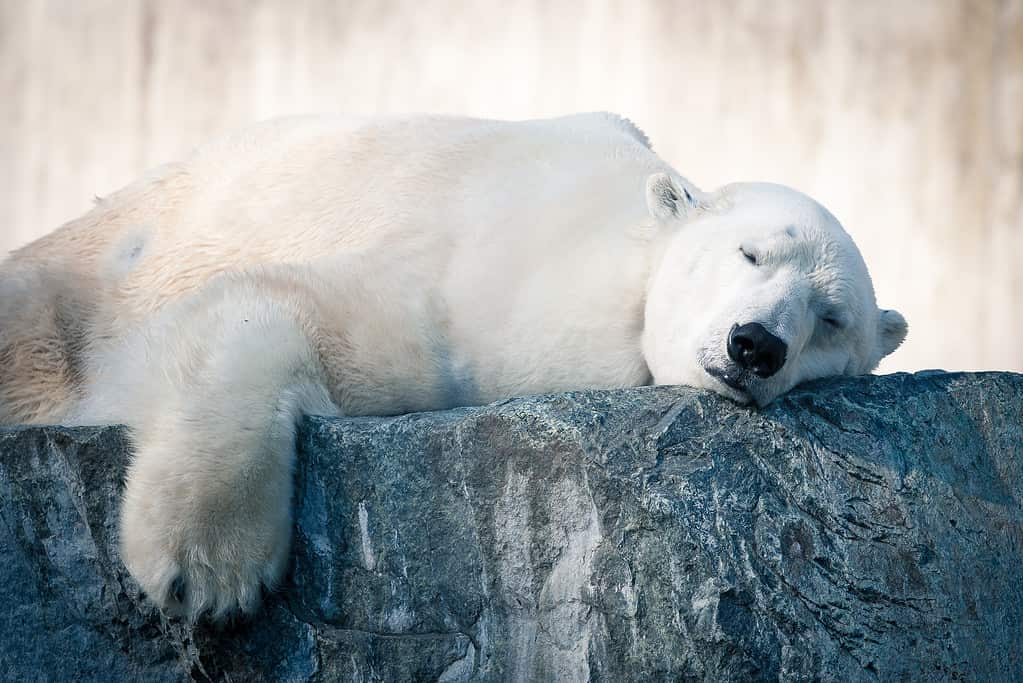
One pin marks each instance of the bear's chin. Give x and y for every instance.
(728, 385)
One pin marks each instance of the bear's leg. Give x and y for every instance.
(212, 391)
(43, 322)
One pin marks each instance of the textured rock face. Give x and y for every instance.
(857, 529)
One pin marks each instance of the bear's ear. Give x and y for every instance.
(666, 198)
(891, 331)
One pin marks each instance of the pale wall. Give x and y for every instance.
(905, 118)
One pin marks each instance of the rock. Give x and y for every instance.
(858, 529)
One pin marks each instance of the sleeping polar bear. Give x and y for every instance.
(342, 267)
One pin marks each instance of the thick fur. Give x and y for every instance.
(335, 266)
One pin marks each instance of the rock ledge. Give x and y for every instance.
(859, 529)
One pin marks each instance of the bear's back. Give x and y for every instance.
(302, 189)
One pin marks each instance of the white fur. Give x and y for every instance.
(809, 271)
(337, 266)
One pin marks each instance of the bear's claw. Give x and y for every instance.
(178, 590)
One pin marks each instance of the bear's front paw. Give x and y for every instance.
(197, 552)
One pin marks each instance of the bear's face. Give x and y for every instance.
(758, 289)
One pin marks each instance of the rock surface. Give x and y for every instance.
(860, 529)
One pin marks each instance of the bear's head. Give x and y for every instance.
(757, 289)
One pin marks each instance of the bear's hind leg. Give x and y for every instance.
(212, 391)
(43, 321)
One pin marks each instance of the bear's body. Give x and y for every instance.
(329, 265)
(492, 216)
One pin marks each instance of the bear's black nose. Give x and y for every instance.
(756, 349)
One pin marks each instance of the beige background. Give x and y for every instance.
(904, 118)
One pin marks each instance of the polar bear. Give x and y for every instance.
(339, 266)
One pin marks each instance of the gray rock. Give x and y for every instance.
(859, 529)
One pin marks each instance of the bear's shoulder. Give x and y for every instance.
(628, 127)
(606, 120)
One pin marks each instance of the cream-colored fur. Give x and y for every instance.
(336, 266)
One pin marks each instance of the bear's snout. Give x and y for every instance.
(753, 348)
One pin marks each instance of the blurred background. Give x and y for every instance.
(904, 118)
